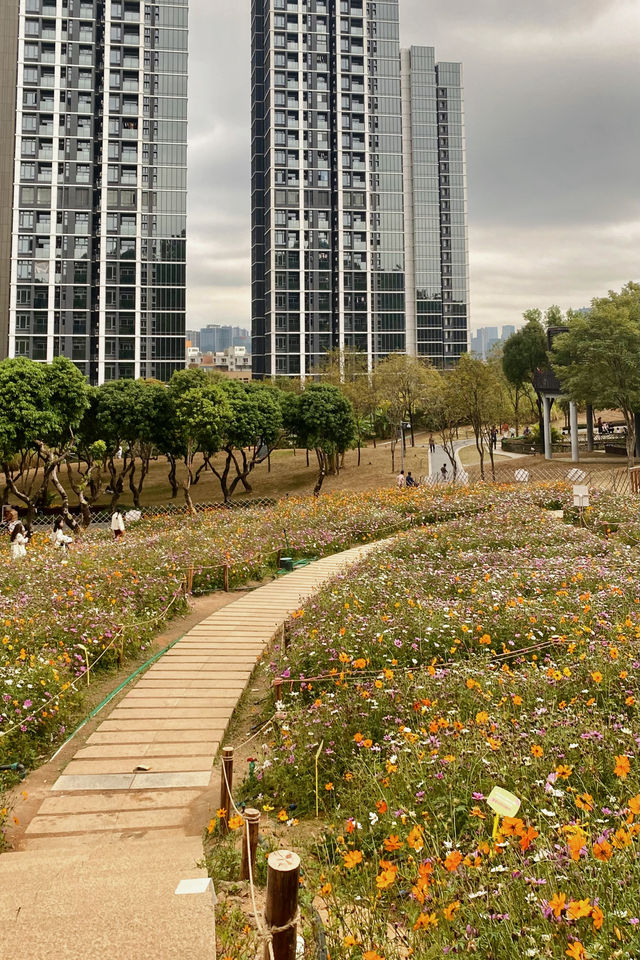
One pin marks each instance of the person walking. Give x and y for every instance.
(19, 541)
(59, 538)
(400, 480)
(444, 472)
(432, 444)
(117, 525)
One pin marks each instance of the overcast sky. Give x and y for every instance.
(553, 149)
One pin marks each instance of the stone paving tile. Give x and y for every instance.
(144, 781)
(139, 750)
(128, 765)
(120, 781)
(150, 736)
(98, 803)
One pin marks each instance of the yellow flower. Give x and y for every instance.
(537, 750)
(235, 823)
(425, 920)
(283, 816)
(622, 767)
(451, 909)
(352, 859)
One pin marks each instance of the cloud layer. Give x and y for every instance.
(553, 149)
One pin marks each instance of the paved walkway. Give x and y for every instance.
(122, 825)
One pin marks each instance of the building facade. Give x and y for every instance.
(99, 203)
(217, 337)
(334, 188)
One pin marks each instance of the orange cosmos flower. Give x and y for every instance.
(449, 911)
(634, 805)
(578, 909)
(557, 903)
(235, 823)
(512, 827)
(372, 955)
(576, 951)
(527, 838)
(415, 839)
(563, 771)
(425, 920)
(352, 859)
(453, 861)
(392, 842)
(598, 917)
(387, 875)
(596, 676)
(381, 806)
(585, 802)
(536, 750)
(622, 767)
(602, 851)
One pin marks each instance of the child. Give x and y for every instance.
(117, 525)
(18, 541)
(58, 537)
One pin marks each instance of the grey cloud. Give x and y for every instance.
(550, 95)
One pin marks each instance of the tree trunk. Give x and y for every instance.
(413, 439)
(541, 417)
(307, 452)
(516, 411)
(187, 486)
(173, 480)
(358, 451)
(64, 496)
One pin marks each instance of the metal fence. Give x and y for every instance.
(620, 480)
(102, 518)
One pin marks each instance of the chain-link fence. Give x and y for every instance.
(620, 480)
(102, 518)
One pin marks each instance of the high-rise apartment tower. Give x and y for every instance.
(99, 196)
(358, 189)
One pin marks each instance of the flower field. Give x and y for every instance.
(104, 600)
(499, 649)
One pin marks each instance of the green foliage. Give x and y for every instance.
(323, 419)
(598, 360)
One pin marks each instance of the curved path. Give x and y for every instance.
(122, 825)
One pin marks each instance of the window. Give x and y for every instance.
(27, 171)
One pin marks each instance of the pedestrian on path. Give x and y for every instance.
(117, 525)
(444, 472)
(432, 444)
(400, 480)
(19, 541)
(59, 538)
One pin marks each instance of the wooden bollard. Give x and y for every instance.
(281, 909)
(190, 580)
(249, 842)
(225, 577)
(277, 689)
(226, 783)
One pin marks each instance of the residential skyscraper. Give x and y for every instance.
(99, 206)
(333, 190)
(435, 207)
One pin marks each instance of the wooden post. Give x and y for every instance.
(190, 580)
(249, 842)
(226, 783)
(277, 689)
(283, 877)
(225, 577)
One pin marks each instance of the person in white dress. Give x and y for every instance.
(19, 541)
(59, 538)
(117, 525)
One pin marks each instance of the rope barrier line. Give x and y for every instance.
(265, 935)
(370, 674)
(72, 684)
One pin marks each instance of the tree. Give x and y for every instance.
(598, 360)
(525, 353)
(403, 382)
(348, 369)
(41, 405)
(480, 401)
(202, 415)
(444, 415)
(127, 412)
(253, 429)
(322, 419)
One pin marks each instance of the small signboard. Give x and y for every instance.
(503, 803)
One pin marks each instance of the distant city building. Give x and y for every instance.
(193, 336)
(234, 361)
(486, 338)
(215, 338)
(99, 184)
(358, 189)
